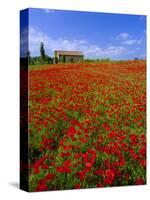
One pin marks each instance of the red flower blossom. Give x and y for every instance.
(109, 177)
(42, 186)
(81, 175)
(60, 169)
(45, 166)
(143, 163)
(88, 165)
(99, 185)
(139, 181)
(77, 186)
(49, 177)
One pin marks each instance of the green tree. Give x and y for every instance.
(42, 51)
(48, 60)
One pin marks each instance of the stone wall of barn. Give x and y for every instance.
(70, 59)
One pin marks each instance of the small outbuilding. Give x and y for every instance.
(69, 56)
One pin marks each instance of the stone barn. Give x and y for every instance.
(69, 56)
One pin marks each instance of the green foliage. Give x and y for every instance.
(37, 60)
(42, 59)
(97, 60)
(42, 51)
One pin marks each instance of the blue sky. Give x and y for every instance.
(97, 35)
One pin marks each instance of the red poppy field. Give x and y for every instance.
(87, 125)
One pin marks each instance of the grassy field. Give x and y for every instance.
(87, 125)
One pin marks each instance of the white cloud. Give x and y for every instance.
(126, 39)
(123, 36)
(131, 42)
(115, 50)
(90, 50)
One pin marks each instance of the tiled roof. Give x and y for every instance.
(75, 53)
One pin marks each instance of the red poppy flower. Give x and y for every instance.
(88, 164)
(77, 186)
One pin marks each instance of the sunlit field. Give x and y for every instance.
(87, 125)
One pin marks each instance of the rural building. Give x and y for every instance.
(69, 56)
